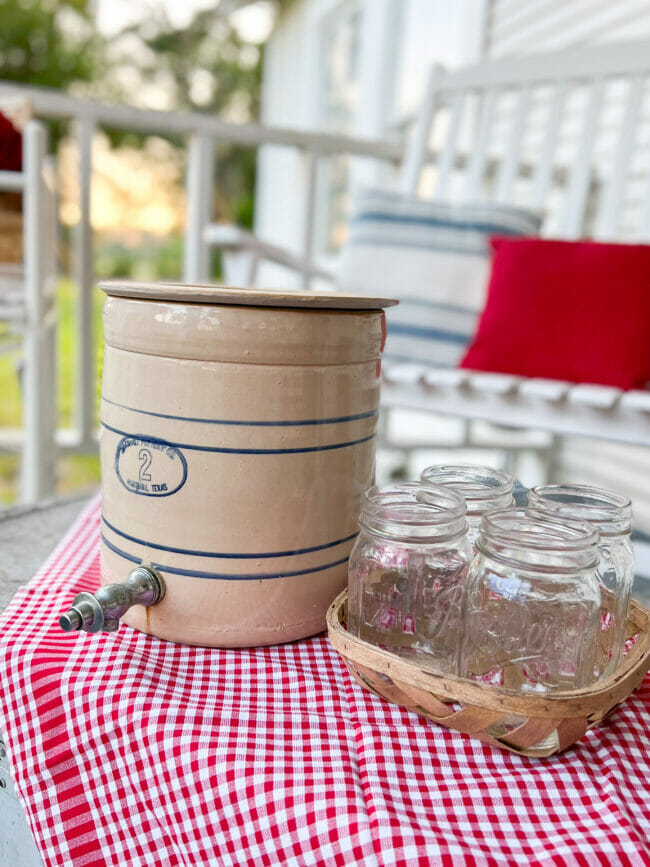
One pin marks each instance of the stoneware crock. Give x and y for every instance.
(237, 436)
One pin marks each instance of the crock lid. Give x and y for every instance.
(204, 293)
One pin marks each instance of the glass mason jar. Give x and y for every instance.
(483, 489)
(532, 604)
(407, 572)
(611, 514)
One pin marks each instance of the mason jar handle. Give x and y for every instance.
(101, 611)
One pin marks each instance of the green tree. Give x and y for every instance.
(50, 43)
(204, 66)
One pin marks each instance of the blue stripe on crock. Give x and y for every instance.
(227, 451)
(221, 555)
(194, 573)
(315, 421)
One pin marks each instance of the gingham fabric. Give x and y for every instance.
(127, 750)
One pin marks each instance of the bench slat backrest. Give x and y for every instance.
(561, 133)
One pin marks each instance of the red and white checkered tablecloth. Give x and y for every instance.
(127, 750)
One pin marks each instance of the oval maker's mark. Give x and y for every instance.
(150, 467)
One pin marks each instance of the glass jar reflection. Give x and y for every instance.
(407, 572)
(532, 604)
(483, 489)
(611, 514)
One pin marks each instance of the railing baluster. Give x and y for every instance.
(447, 157)
(39, 391)
(416, 151)
(572, 219)
(544, 171)
(198, 185)
(611, 204)
(476, 167)
(510, 163)
(84, 272)
(310, 172)
(643, 232)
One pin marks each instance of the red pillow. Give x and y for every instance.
(578, 311)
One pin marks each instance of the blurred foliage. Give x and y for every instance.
(205, 66)
(49, 43)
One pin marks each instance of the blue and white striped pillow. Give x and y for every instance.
(435, 258)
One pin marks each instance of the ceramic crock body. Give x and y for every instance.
(236, 442)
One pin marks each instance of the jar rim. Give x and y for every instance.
(487, 483)
(438, 504)
(414, 511)
(537, 533)
(594, 505)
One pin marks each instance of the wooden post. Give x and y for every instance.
(198, 186)
(38, 380)
(84, 274)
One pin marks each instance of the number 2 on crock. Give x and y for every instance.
(149, 467)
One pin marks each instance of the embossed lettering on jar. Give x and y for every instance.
(611, 514)
(407, 572)
(532, 605)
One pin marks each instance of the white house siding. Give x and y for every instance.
(515, 28)
(399, 40)
(518, 27)
(293, 96)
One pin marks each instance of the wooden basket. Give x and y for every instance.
(526, 725)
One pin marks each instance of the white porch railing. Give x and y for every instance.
(203, 132)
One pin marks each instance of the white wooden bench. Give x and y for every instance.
(555, 133)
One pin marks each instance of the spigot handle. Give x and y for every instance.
(101, 611)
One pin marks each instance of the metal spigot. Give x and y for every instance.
(101, 611)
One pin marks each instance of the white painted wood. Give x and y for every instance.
(445, 377)
(48, 103)
(414, 157)
(495, 383)
(582, 62)
(636, 400)
(544, 389)
(234, 238)
(643, 230)
(403, 373)
(310, 170)
(544, 169)
(12, 181)
(544, 25)
(84, 408)
(199, 183)
(572, 218)
(599, 396)
(38, 382)
(479, 151)
(608, 213)
(510, 160)
(447, 159)
(581, 420)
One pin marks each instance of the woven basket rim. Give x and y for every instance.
(593, 702)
